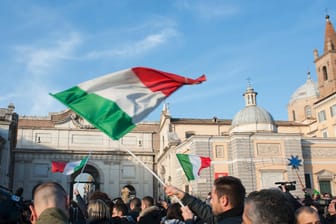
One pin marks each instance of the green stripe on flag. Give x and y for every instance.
(186, 166)
(102, 113)
(82, 163)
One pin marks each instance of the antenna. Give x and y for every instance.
(248, 82)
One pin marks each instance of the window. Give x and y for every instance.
(293, 114)
(188, 134)
(140, 142)
(186, 188)
(325, 73)
(308, 112)
(308, 180)
(324, 133)
(250, 100)
(219, 151)
(333, 110)
(43, 137)
(325, 186)
(322, 116)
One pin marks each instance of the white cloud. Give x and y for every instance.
(40, 59)
(138, 47)
(39, 62)
(154, 40)
(208, 9)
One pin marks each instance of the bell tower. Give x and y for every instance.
(326, 63)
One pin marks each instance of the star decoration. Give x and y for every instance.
(295, 162)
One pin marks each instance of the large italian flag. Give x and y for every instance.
(193, 164)
(116, 102)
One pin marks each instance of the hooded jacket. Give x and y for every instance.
(150, 215)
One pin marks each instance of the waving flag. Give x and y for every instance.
(70, 167)
(193, 164)
(57, 166)
(116, 102)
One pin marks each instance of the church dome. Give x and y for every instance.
(252, 118)
(252, 114)
(307, 90)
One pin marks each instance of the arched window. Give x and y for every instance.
(249, 97)
(308, 111)
(325, 73)
(293, 114)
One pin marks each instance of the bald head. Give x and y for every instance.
(50, 195)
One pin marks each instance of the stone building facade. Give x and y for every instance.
(8, 133)
(258, 149)
(65, 137)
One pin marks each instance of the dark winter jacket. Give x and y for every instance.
(134, 214)
(330, 219)
(122, 220)
(150, 215)
(204, 212)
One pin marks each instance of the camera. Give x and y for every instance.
(289, 185)
(12, 208)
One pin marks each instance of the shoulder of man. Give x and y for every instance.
(230, 220)
(52, 215)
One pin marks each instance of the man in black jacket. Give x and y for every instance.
(227, 201)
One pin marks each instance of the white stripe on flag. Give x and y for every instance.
(125, 89)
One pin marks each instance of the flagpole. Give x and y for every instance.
(143, 164)
(82, 170)
(297, 174)
(151, 171)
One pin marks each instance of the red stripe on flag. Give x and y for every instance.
(57, 166)
(205, 162)
(165, 82)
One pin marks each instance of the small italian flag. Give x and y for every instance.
(193, 164)
(116, 102)
(70, 167)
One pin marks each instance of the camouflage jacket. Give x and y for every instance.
(52, 216)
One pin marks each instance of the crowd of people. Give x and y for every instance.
(226, 203)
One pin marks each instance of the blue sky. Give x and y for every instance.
(49, 46)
